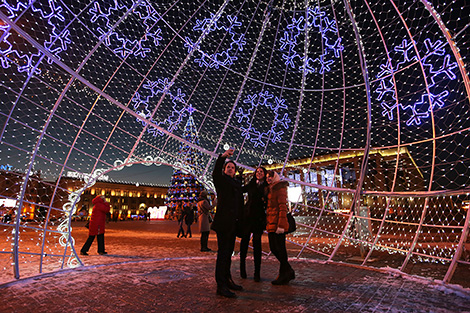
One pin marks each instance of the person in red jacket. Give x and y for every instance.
(97, 223)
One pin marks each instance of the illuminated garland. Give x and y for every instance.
(59, 37)
(227, 56)
(142, 105)
(120, 44)
(281, 118)
(438, 70)
(436, 63)
(321, 64)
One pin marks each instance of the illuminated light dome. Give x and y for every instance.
(364, 105)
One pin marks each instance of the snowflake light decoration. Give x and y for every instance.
(214, 60)
(142, 106)
(225, 57)
(276, 105)
(120, 44)
(123, 47)
(437, 65)
(59, 36)
(289, 42)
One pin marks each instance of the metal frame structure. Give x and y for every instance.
(278, 80)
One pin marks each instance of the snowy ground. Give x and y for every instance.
(148, 269)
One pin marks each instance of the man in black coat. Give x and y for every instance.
(229, 208)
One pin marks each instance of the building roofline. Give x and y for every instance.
(345, 155)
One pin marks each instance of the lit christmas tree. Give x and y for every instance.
(184, 187)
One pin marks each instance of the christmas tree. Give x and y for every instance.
(184, 187)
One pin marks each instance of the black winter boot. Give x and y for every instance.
(257, 277)
(232, 285)
(286, 274)
(225, 292)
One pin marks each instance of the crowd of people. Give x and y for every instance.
(185, 216)
(265, 209)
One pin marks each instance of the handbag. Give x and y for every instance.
(210, 218)
(292, 225)
(87, 225)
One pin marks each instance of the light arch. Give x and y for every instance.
(341, 84)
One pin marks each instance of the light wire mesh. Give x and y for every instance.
(363, 106)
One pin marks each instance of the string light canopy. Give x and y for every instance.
(361, 105)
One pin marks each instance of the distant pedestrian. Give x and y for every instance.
(204, 209)
(277, 225)
(188, 219)
(229, 208)
(180, 219)
(115, 214)
(97, 224)
(8, 216)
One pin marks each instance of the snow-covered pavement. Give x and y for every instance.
(148, 269)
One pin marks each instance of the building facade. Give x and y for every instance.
(388, 170)
(128, 201)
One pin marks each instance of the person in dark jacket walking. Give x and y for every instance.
(229, 208)
(188, 219)
(253, 221)
(180, 219)
(97, 225)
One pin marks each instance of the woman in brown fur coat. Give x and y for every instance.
(277, 224)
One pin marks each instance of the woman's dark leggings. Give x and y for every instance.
(277, 244)
(256, 239)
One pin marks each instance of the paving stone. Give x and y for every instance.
(171, 275)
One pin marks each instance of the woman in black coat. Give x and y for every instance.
(229, 209)
(253, 221)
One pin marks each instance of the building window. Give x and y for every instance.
(348, 173)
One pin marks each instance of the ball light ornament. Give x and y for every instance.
(361, 106)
